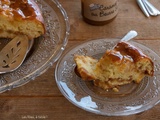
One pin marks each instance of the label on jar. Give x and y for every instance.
(99, 10)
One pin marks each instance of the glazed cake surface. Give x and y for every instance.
(20, 17)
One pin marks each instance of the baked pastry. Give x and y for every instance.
(119, 66)
(20, 17)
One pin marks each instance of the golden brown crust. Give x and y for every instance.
(131, 52)
(20, 9)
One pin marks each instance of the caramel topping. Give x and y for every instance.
(114, 55)
(18, 9)
(129, 51)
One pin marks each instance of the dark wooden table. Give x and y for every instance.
(41, 98)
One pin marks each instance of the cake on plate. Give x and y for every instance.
(121, 65)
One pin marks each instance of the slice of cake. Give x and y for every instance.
(20, 17)
(122, 65)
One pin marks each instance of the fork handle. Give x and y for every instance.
(141, 5)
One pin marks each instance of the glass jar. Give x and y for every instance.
(99, 12)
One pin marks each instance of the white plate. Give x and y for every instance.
(132, 98)
(46, 49)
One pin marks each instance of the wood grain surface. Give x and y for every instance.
(41, 99)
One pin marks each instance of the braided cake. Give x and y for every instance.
(119, 66)
(20, 17)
